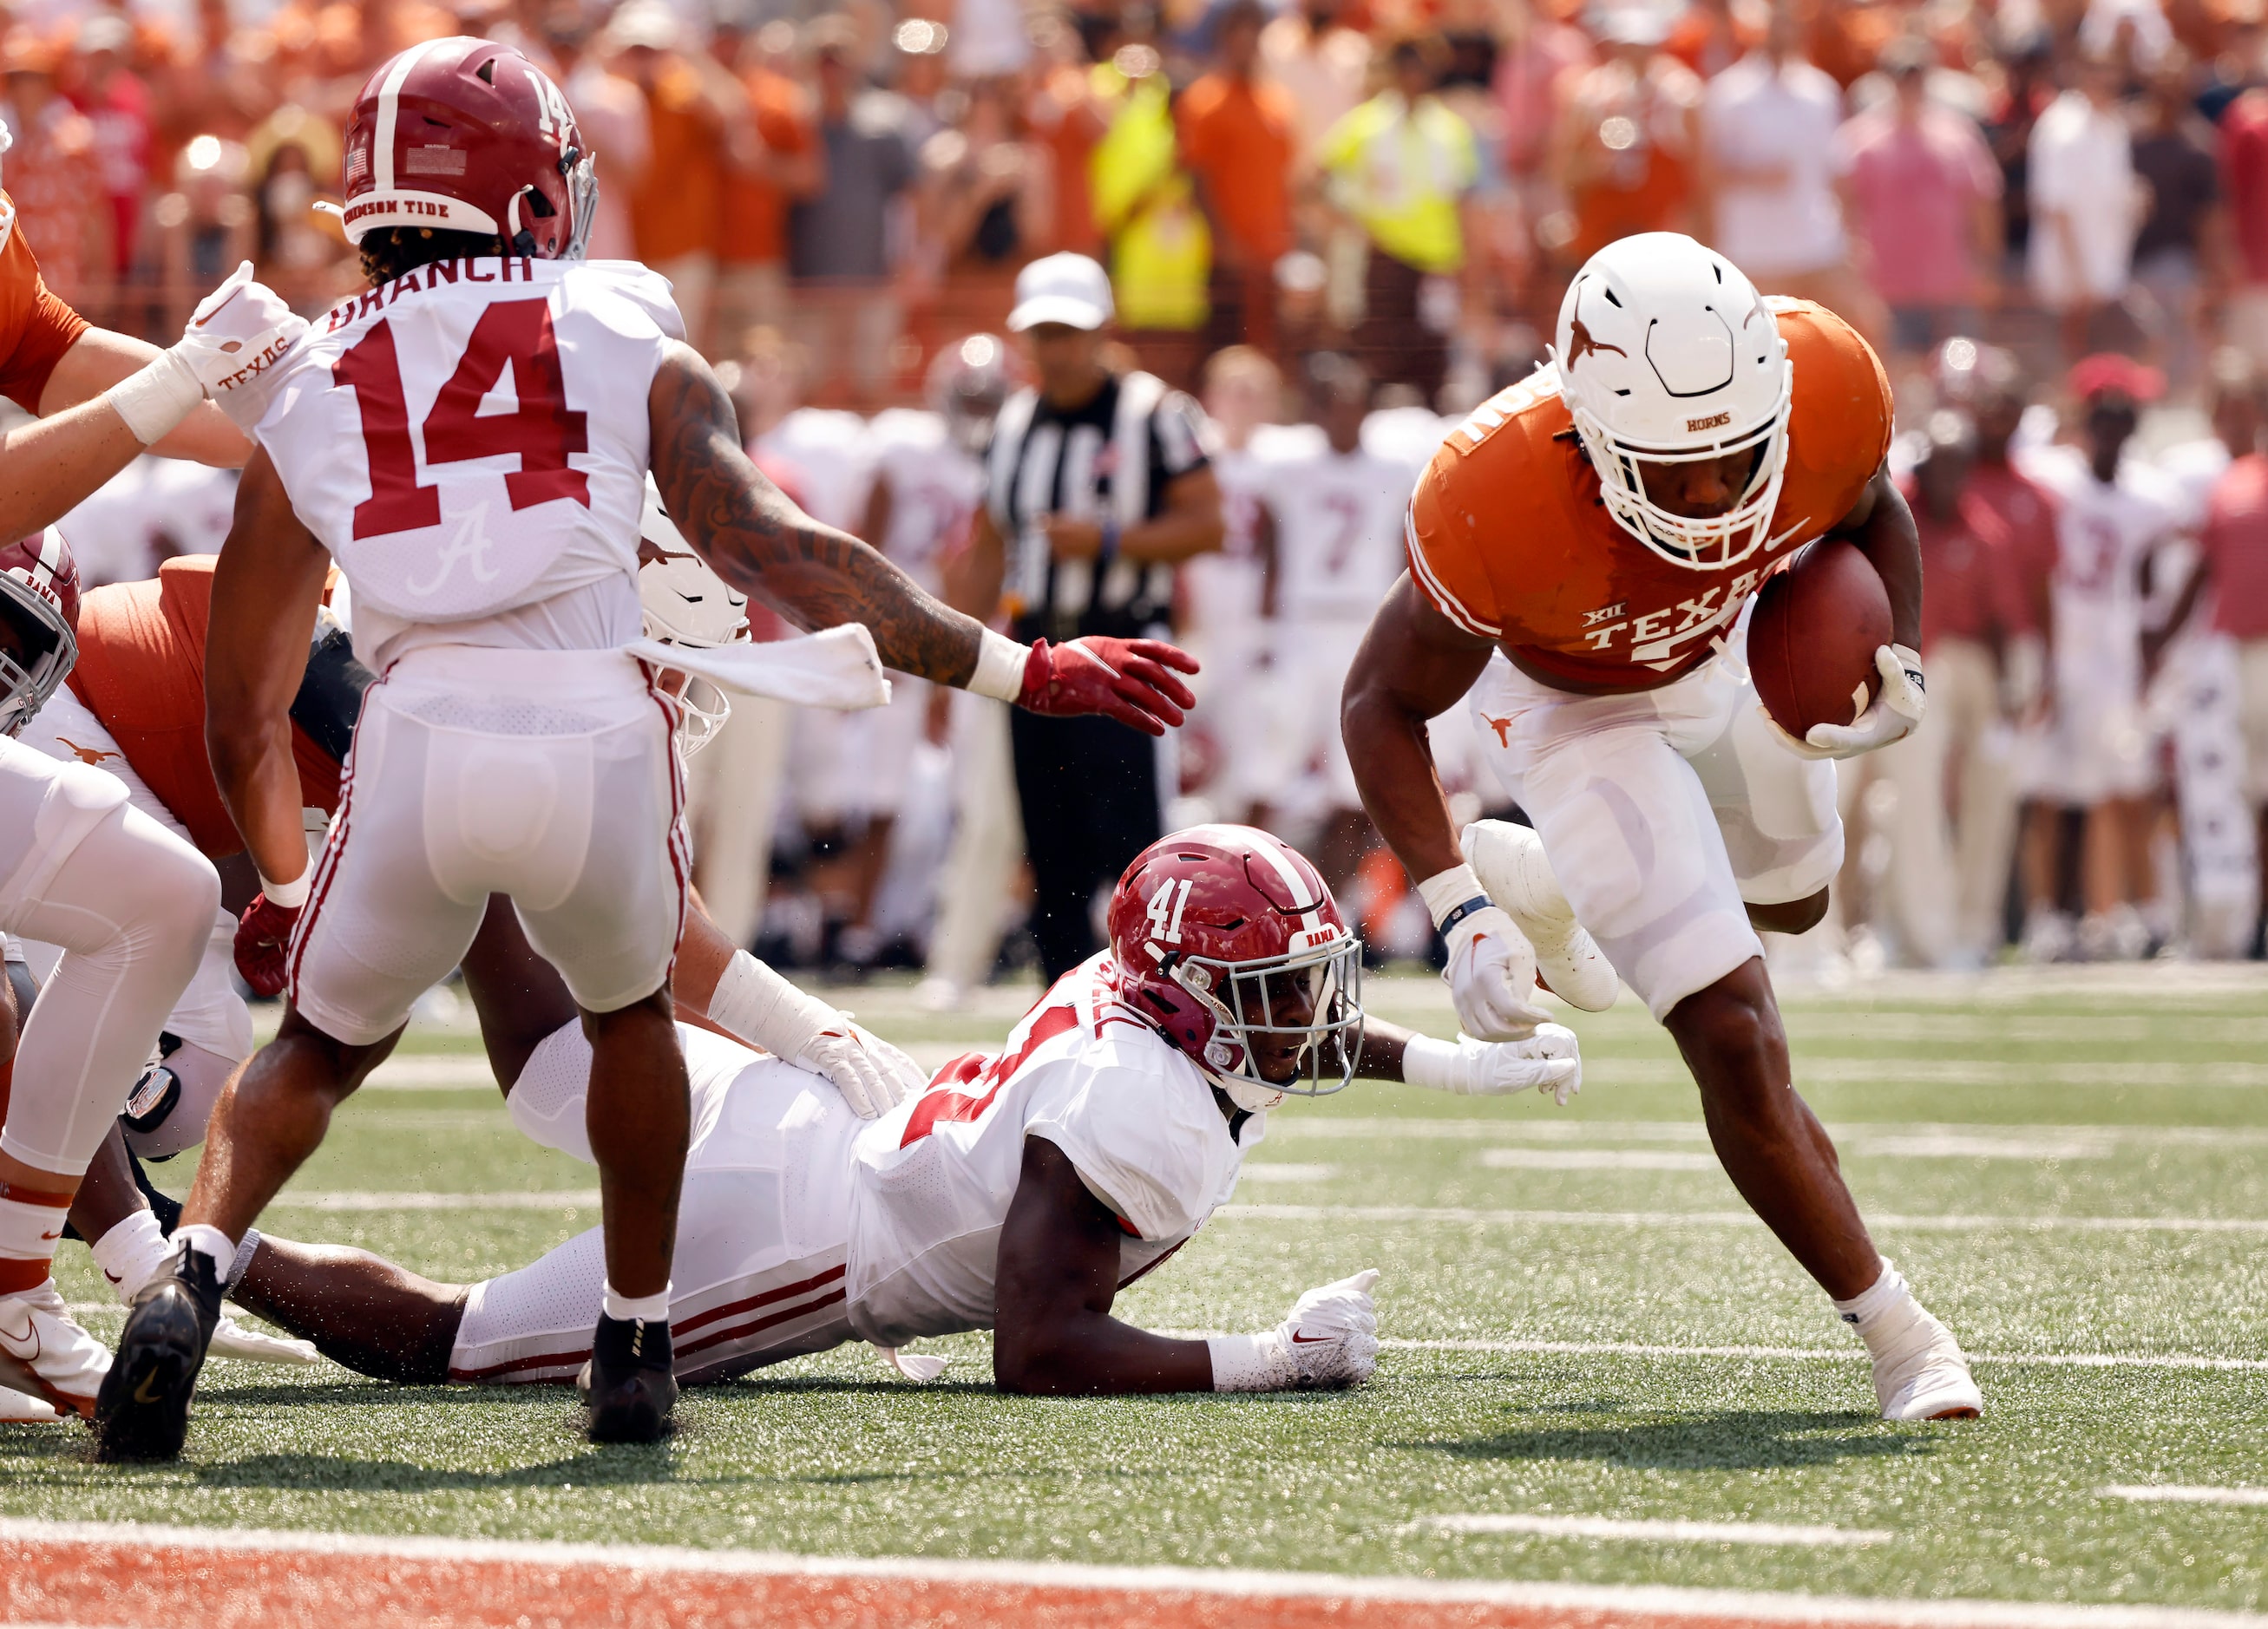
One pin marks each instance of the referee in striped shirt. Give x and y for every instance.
(1098, 488)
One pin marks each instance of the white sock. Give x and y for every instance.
(652, 1309)
(208, 1241)
(28, 1232)
(133, 1252)
(1864, 1312)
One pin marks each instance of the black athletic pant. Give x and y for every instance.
(1088, 788)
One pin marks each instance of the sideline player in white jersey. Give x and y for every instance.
(1020, 1193)
(2114, 513)
(1329, 547)
(470, 440)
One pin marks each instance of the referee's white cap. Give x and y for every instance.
(1069, 289)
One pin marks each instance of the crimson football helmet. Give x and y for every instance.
(465, 134)
(685, 603)
(1213, 931)
(967, 384)
(39, 606)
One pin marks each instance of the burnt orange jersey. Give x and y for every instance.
(1509, 540)
(142, 672)
(36, 328)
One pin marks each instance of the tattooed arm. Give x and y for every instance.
(760, 542)
(818, 578)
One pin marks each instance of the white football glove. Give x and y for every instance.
(1328, 1341)
(872, 1075)
(1492, 977)
(236, 337)
(1892, 715)
(1550, 1063)
(230, 1338)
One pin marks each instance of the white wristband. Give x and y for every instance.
(1438, 1066)
(156, 400)
(1445, 890)
(999, 667)
(290, 895)
(1252, 1362)
(755, 1003)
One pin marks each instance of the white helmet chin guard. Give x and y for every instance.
(1667, 354)
(684, 602)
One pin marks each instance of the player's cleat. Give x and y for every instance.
(1509, 860)
(144, 1411)
(44, 1354)
(1920, 1372)
(628, 1384)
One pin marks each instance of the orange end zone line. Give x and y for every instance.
(128, 1576)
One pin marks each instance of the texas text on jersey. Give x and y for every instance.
(1510, 539)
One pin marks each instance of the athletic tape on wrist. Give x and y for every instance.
(999, 667)
(1252, 1362)
(156, 400)
(1454, 894)
(1431, 1064)
(244, 1252)
(290, 895)
(753, 1002)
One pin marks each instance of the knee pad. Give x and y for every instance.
(169, 1107)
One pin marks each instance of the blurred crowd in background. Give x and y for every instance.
(1341, 224)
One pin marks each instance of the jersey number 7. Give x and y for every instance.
(543, 428)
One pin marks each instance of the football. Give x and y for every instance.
(1813, 636)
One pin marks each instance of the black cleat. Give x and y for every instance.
(142, 1413)
(629, 1384)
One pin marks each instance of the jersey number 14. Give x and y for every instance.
(541, 427)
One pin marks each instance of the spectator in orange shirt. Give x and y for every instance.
(1067, 116)
(774, 161)
(55, 176)
(677, 209)
(1238, 136)
(1709, 36)
(1627, 134)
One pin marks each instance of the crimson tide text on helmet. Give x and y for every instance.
(1213, 930)
(39, 604)
(465, 134)
(1667, 354)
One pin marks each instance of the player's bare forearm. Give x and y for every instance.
(1882, 527)
(758, 541)
(49, 466)
(267, 586)
(1190, 525)
(1383, 1045)
(100, 359)
(1057, 1275)
(1414, 664)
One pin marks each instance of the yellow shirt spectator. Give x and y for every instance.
(1399, 168)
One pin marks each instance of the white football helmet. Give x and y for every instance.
(685, 603)
(1667, 354)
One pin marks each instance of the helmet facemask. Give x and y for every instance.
(25, 684)
(1699, 544)
(1238, 996)
(581, 170)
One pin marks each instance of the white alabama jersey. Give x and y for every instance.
(2103, 533)
(1338, 531)
(834, 464)
(149, 511)
(1224, 586)
(1406, 435)
(935, 490)
(932, 1179)
(471, 439)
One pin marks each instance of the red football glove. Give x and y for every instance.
(264, 938)
(1122, 678)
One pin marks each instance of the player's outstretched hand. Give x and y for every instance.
(1492, 977)
(1132, 680)
(872, 1075)
(264, 938)
(1332, 1333)
(230, 1338)
(236, 337)
(1892, 715)
(1551, 1061)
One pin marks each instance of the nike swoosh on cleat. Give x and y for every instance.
(141, 1392)
(26, 1347)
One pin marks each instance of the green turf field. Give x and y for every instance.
(2068, 1171)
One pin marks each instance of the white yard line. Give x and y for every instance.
(1597, 1159)
(1461, 1215)
(1287, 1171)
(2169, 1493)
(350, 1200)
(1837, 1354)
(1603, 1602)
(1287, 1125)
(1660, 1532)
